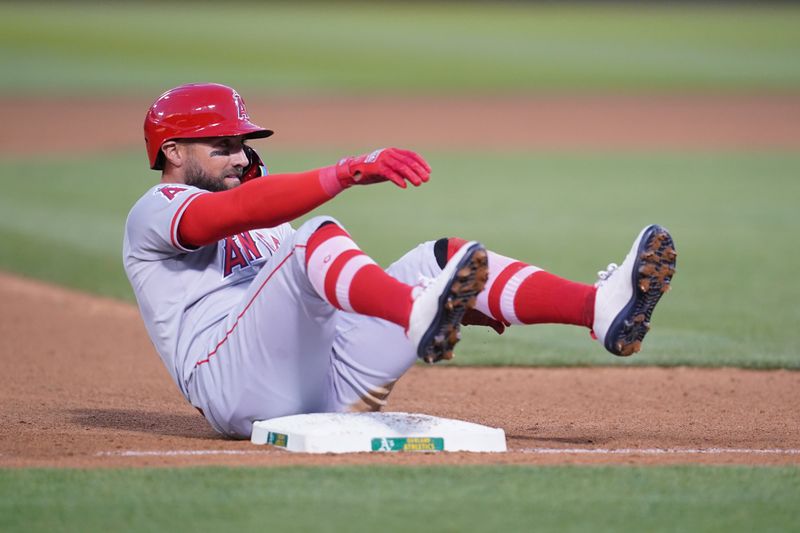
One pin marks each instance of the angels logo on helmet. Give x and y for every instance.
(241, 110)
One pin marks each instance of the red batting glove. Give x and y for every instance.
(386, 164)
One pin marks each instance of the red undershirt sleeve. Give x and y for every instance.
(261, 203)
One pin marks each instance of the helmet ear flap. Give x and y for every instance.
(255, 167)
(159, 164)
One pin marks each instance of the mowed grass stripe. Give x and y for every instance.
(397, 47)
(382, 498)
(733, 216)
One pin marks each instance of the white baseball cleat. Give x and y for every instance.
(435, 320)
(627, 294)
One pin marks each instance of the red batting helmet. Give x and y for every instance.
(193, 111)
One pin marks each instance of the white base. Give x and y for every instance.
(373, 432)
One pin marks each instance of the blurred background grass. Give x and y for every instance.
(733, 214)
(424, 47)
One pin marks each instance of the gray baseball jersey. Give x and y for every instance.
(183, 292)
(240, 327)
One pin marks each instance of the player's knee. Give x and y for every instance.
(314, 224)
(307, 232)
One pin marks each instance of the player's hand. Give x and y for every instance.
(255, 168)
(386, 164)
(473, 317)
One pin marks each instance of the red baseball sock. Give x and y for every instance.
(544, 298)
(350, 280)
(517, 293)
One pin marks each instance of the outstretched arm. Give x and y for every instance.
(272, 200)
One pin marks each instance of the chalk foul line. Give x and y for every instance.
(171, 453)
(542, 451)
(662, 451)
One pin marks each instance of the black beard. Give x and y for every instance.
(196, 177)
(203, 181)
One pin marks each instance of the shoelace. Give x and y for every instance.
(422, 283)
(603, 275)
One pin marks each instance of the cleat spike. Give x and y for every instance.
(648, 269)
(464, 273)
(453, 337)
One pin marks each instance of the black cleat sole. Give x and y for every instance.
(458, 297)
(651, 277)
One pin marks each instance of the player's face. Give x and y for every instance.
(215, 164)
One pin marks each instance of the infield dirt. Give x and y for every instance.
(544, 122)
(83, 387)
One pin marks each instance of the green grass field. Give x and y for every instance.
(379, 498)
(392, 47)
(733, 216)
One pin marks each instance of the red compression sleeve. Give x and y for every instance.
(261, 203)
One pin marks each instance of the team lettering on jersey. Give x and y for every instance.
(242, 251)
(170, 191)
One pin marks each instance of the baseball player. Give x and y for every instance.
(255, 319)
